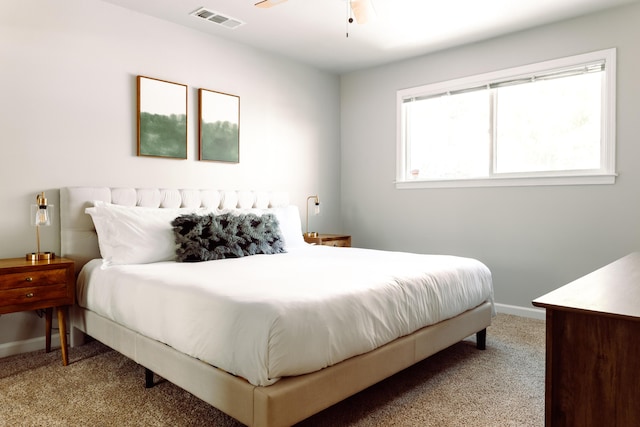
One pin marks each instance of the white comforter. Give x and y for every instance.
(264, 317)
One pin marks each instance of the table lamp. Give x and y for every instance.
(41, 214)
(316, 212)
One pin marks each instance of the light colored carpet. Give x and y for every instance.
(460, 386)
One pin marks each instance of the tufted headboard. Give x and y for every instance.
(78, 238)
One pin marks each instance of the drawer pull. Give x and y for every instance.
(29, 295)
(29, 279)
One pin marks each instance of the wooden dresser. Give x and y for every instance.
(593, 348)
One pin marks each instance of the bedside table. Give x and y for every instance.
(342, 240)
(32, 285)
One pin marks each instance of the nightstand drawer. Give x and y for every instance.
(28, 279)
(34, 295)
(343, 243)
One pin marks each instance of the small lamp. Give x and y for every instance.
(316, 212)
(41, 214)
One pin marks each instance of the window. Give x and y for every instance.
(551, 123)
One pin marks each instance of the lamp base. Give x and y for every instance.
(41, 256)
(311, 234)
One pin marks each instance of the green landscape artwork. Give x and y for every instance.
(219, 126)
(162, 118)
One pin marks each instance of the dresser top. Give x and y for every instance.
(611, 290)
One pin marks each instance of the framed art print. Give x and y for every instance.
(162, 118)
(219, 116)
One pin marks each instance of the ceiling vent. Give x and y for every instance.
(217, 18)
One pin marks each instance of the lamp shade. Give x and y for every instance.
(41, 212)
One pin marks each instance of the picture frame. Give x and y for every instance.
(219, 126)
(162, 118)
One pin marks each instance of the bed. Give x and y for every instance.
(280, 353)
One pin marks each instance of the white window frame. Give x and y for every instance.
(605, 175)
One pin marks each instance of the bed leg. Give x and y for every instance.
(148, 378)
(481, 339)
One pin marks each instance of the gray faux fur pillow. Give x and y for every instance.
(211, 237)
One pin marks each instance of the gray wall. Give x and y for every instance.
(534, 239)
(68, 116)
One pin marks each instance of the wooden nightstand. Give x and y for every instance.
(342, 240)
(32, 285)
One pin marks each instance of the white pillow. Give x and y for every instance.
(290, 225)
(135, 235)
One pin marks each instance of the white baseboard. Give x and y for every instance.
(533, 313)
(26, 346)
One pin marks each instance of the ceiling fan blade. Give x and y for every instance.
(363, 11)
(265, 4)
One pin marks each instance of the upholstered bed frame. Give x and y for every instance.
(287, 401)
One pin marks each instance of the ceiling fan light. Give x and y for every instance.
(265, 4)
(363, 11)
